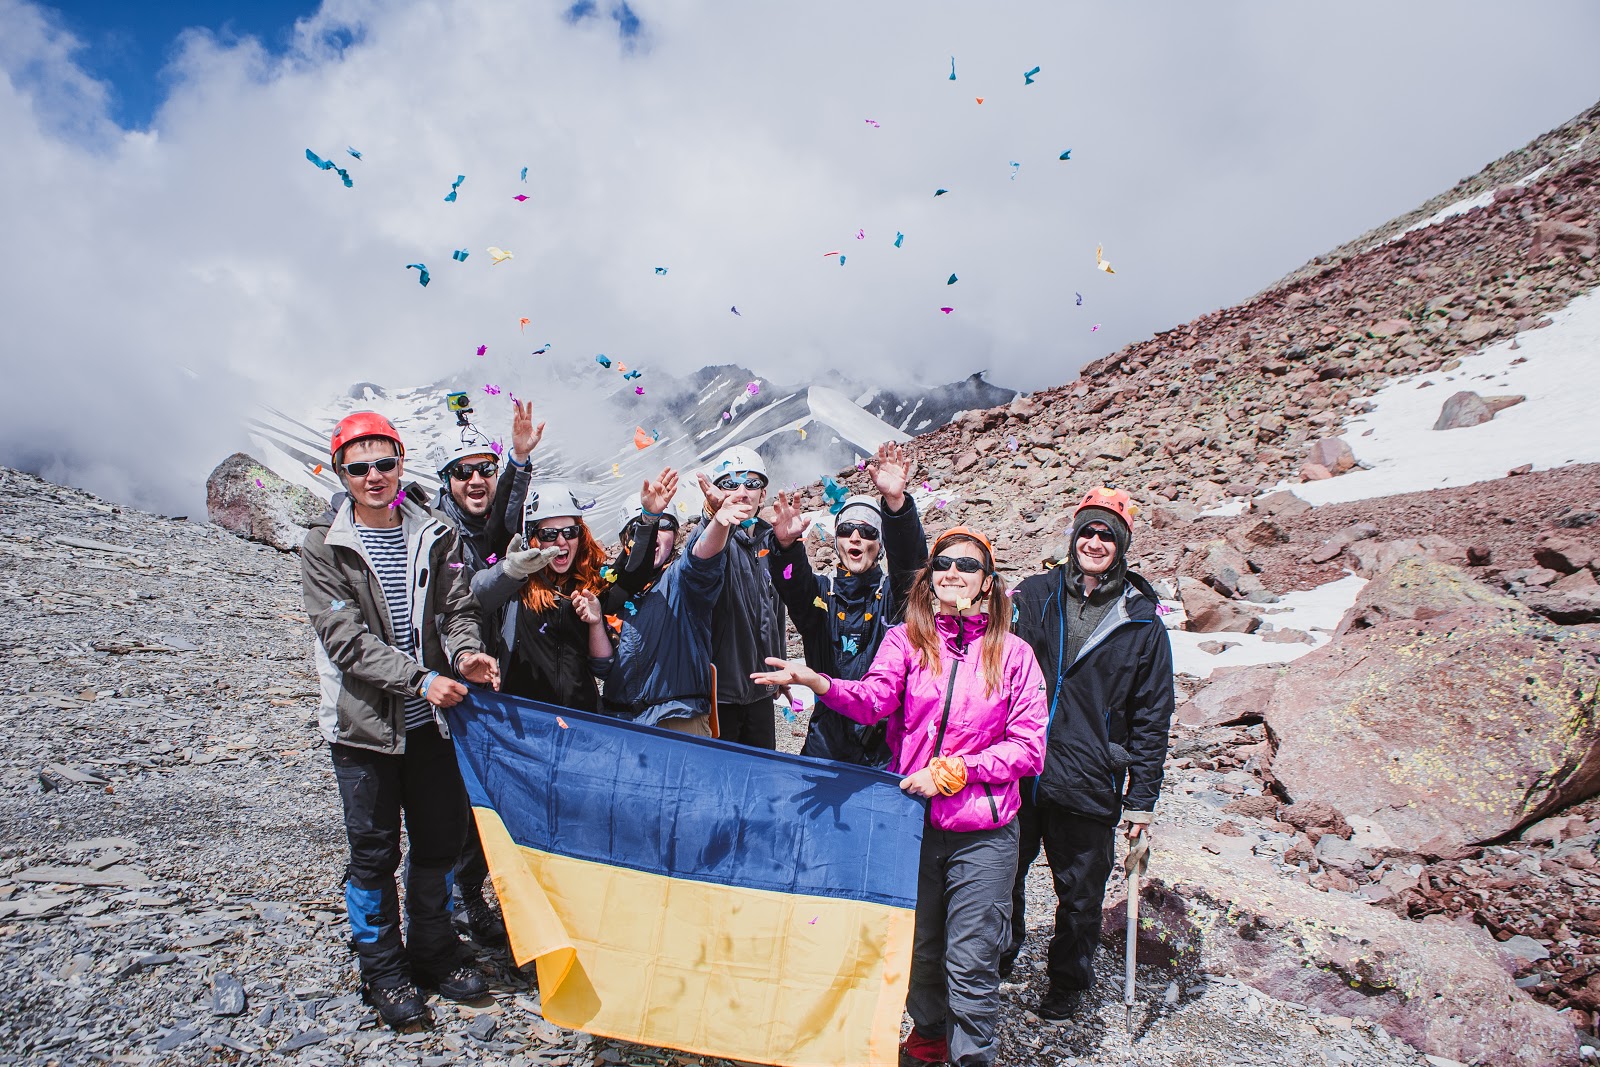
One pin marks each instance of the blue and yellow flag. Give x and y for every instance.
(692, 894)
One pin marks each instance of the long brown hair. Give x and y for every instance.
(922, 628)
(540, 594)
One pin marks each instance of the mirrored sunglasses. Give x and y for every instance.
(463, 472)
(548, 536)
(360, 467)
(748, 480)
(964, 564)
(850, 529)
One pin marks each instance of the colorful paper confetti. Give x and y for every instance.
(337, 605)
(422, 273)
(459, 255)
(353, 152)
(643, 438)
(522, 323)
(1095, 327)
(899, 239)
(861, 235)
(947, 310)
(735, 310)
(562, 723)
(542, 351)
(754, 388)
(260, 484)
(520, 197)
(661, 270)
(524, 173)
(450, 197)
(849, 644)
(1079, 296)
(482, 349)
(603, 360)
(399, 498)
(841, 260)
(871, 123)
(940, 192)
(638, 390)
(952, 68)
(328, 164)
(788, 572)
(493, 558)
(1066, 155)
(498, 255)
(1015, 166)
(818, 602)
(951, 280)
(492, 390)
(1100, 261)
(1027, 76)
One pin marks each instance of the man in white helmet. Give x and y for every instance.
(747, 623)
(481, 501)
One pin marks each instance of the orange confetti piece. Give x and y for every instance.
(818, 602)
(980, 99)
(317, 469)
(763, 552)
(523, 322)
(562, 723)
(642, 438)
(841, 616)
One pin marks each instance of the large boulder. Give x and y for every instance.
(1465, 408)
(1439, 986)
(1232, 695)
(1444, 712)
(1218, 564)
(247, 499)
(1208, 612)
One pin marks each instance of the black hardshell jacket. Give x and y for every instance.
(1117, 692)
(844, 647)
(747, 623)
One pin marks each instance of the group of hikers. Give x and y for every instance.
(1029, 717)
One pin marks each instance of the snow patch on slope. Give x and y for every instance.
(1314, 611)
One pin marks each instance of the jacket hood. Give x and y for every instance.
(414, 494)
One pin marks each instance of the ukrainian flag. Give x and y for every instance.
(693, 894)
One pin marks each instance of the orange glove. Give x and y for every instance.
(949, 774)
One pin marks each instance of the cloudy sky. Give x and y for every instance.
(173, 259)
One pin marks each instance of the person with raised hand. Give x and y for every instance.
(747, 622)
(964, 700)
(394, 621)
(663, 610)
(552, 639)
(842, 615)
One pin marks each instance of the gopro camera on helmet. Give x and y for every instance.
(461, 404)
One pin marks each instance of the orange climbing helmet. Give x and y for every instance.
(963, 533)
(361, 424)
(1112, 500)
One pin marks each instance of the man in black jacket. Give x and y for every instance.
(1107, 663)
(842, 617)
(747, 622)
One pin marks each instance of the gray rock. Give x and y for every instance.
(1465, 408)
(175, 1037)
(483, 1027)
(227, 995)
(1522, 947)
(303, 1039)
(245, 498)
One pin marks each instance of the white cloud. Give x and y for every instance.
(1212, 149)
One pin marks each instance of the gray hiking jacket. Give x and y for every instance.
(365, 678)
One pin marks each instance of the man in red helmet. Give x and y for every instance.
(395, 624)
(1096, 630)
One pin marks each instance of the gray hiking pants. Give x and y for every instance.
(963, 925)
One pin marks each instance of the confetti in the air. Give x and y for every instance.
(947, 310)
(631, 375)
(963, 603)
(788, 572)
(1067, 154)
(661, 270)
(603, 360)
(1011, 444)
(616, 470)
(1015, 166)
(952, 68)
(638, 390)
(835, 252)
(317, 469)
(841, 260)
(422, 272)
(450, 197)
(861, 235)
(754, 388)
(848, 644)
(522, 323)
(498, 449)
(899, 239)
(834, 493)
(643, 438)
(492, 390)
(952, 280)
(979, 99)
(337, 605)
(1100, 261)
(520, 197)
(940, 192)
(1095, 327)
(1027, 76)
(562, 723)
(459, 255)
(260, 484)
(353, 152)
(400, 498)
(328, 164)
(542, 351)
(524, 173)
(499, 255)
(457, 566)
(871, 123)
(1079, 296)
(735, 310)
(482, 349)
(727, 415)
(819, 603)
(802, 430)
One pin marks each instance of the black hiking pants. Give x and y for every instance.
(749, 724)
(1081, 853)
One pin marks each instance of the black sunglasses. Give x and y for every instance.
(548, 536)
(749, 480)
(463, 472)
(849, 529)
(964, 564)
(1098, 533)
(360, 467)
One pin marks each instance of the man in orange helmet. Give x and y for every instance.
(1096, 630)
(396, 623)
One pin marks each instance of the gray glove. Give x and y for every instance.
(522, 562)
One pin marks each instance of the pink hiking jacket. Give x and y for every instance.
(1000, 735)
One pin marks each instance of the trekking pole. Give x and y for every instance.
(1135, 864)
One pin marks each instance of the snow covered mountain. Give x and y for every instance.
(593, 414)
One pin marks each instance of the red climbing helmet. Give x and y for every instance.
(1113, 500)
(361, 424)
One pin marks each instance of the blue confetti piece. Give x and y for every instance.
(1079, 296)
(632, 375)
(459, 255)
(450, 198)
(1015, 166)
(661, 270)
(746, 524)
(627, 606)
(422, 275)
(602, 360)
(337, 605)
(899, 239)
(328, 164)
(1027, 76)
(353, 152)
(952, 68)
(835, 494)
(1067, 154)
(524, 173)
(849, 644)
(841, 260)
(952, 280)
(940, 192)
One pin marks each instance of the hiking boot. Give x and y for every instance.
(919, 1051)
(399, 1005)
(484, 924)
(1058, 1005)
(453, 981)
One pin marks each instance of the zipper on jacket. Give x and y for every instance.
(994, 809)
(944, 719)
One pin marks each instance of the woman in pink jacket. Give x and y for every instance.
(965, 703)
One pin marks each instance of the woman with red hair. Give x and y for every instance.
(965, 702)
(553, 637)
